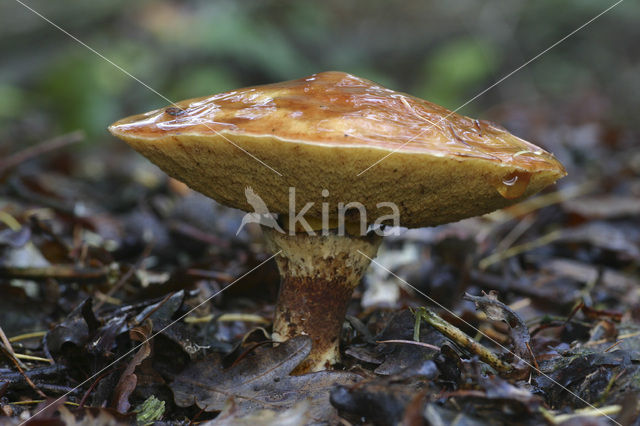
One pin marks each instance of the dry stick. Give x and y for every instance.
(461, 338)
(556, 419)
(58, 272)
(516, 232)
(574, 311)
(516, 250)
(215, 275)
(36, 373)
(613, 346)
(533, 357)
(41, 148)
(411, 342)
(554, 322)
(26, 336)
(17, 363)
(39, 401)
(536, 203)
(33, 358)
(228, 318)
(10, 221)
(5, 340)
(6, 345)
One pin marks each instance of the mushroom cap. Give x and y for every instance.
(321, 132)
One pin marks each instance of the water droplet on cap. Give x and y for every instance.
(514, 185)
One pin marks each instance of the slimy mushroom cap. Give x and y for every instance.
(352, 137)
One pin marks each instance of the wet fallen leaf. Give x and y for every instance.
(260, 381)
(381, 401)
(128, 379)
(299, 414)
(518, 331)
(593, 377)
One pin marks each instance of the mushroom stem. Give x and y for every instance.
(319, 274)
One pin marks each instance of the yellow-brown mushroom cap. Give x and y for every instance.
(321, 131)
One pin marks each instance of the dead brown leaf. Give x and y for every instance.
(128, 379)
(260, 381)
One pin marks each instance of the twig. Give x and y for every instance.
(516, 232)
(197, 234)
(228, 318)
(33, 358)
(609, 410)
(573, 312)
(5, 341)
(545, 200)
(215, 275)
(411, 342)
(533, 357)
(26, 336)
(462, 339)
(6, 346)
(242, 317)
(10, 221)
(613, 346)
(38, 401)
(17, 363)
(36, 373)
(41, 148)
(57, 389)
(521, 248)
(58, 272)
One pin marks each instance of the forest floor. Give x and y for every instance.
(99, 251)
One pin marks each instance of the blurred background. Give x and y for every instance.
(579, 100)
(445, 52)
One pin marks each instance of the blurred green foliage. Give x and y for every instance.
(455, 68)
(446, 52)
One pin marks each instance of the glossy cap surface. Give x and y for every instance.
(321, 131)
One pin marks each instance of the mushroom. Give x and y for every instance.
(332, 154)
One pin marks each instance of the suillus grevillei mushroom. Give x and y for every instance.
(334, 156)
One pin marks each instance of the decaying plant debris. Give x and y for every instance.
(99, 252)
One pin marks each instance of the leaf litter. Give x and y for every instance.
(95, 260)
